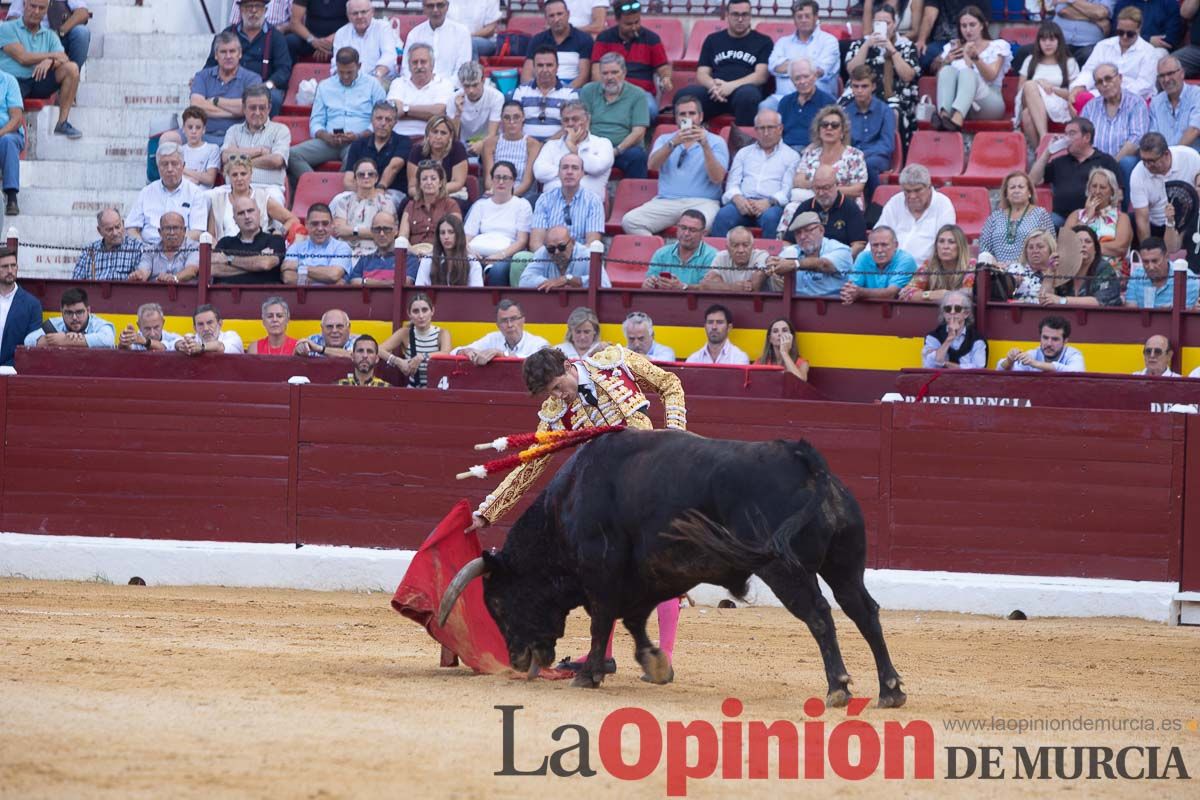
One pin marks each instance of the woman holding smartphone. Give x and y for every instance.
(970, 71)
(894, 60)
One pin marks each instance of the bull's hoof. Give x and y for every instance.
(585, 681)
(656, 665)
(838, 698)
(893, 699)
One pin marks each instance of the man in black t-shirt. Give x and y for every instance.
(385, 147)
(253, 256)
(314, 22)
(732, 70)
(1068, 174)
(939, 24)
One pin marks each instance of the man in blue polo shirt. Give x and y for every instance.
(12, 140)
(687, 261)
(574, 47)
(217, 91)
(821, 265)
(1152, 285)
(264, 50)
(881, 270)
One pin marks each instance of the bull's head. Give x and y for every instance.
(529, 611)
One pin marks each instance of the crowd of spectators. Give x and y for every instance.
(407, 132)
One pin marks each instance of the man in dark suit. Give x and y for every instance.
(20, 312)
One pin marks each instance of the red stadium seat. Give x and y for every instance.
(404, 23)
(330, 166)
(993, 155)
(302, 72)
(679, 79)
(627, 259)
(941, 152)
(630, 194)
(315, 187)
(971, 205)
(670, 30)
(1045, 197)
(1008, 90)
(839, 32)
(298, 126)
(531, 26)
(472, 185)
(892, 173)
(885, 192)
(662, 128)
(701, 28)
(776, 29)
(1020, 34)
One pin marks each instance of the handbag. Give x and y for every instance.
(925, 109)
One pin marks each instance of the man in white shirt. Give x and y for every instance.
(374, 39)
(1052, 355)
(420, 95)
(718, 322)
(639, 337)
(148, 334)
(169, 193)
(1148, 183)
(760, 181)
(450, 40)
(917, 213)
(588, 16)
(809, 42)
(510, 340)
(209, 338)
(1157, 356)
(475, 109)
(596, 152)
(481, 18)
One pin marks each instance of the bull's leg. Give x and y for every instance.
(800, 594)
(655, 663)
(851, 594)
(591, 674)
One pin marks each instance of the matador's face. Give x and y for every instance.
(566, 386)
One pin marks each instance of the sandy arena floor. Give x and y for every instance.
(124, 691)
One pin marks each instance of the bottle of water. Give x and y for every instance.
(302, 275)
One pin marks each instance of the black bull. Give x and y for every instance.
(638, 517)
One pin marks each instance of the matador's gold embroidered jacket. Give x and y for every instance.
(619, 378)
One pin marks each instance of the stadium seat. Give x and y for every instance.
(330, 166)
(993, 155)
(300, 73)
(404, 23)
(472, 185)
(885, 192)
(701, 28)
(971, 206)
(627, 259)
(775, 29)
(843, 33)
(1045, 197)
(630, 194)
(1008, 90)
(679, 79)
(531, 26)
(315, 187)
(1020, 34)
(941, 152)
(892, 173)
(670, 30)
(298, 126)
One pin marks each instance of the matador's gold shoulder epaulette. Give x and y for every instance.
(610, 357)
(552, 410)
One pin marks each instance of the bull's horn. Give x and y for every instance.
(473, 569)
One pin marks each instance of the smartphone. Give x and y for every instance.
(685, 124)
(879, 29)
(48, 327)
(339, 131)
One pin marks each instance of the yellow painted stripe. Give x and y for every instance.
(832, 350)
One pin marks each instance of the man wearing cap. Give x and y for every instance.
(821, 265)
(1157, 356)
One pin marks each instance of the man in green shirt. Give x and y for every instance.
(619, 114)
(34, 56)
(685, 263)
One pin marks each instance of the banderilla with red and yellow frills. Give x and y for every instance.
(541, 443)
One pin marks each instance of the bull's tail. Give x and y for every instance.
(719, 542)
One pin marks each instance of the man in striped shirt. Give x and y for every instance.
(543, 98)
(569, 205)
(1120, 117)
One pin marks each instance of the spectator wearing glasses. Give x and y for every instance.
(1175, 111)
(1131, 56)
(513, 145)
(1120, 118)
(1162, 23)
(267, 144)
(475, 109)
(733, 72)
(954, 343)
(379, 268)
(354, 212)
(509, 340)
(574, 47)
(560, 263)
(450, 40)
(481, 18)
(595, 151)
(639, 337)
(760, 180)
(581, 211)
(1159, 165)
(831, 148)
(543, 98)
(386, 148)
(810, 42)
(618, 113)
(264, 49)
(685, 262)
(1156, 355)
(643, 51)
(692, 163)
(798, 109)
(841, 216)
(374, 40)
(1053, 354)
(821, 265)
(76, 327)
(420, 94)
(176, 259)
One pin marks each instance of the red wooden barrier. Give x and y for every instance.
(1189, 580)
(176, 366)
(1059, 390)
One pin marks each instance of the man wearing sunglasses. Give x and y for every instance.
(1157, 356)
(1136, 59)
(732, 72)
(561, 263)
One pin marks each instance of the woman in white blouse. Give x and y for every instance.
(970, 71)
(497, 226)
(1044, 92)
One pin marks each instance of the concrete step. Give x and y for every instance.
(104, 123)
(173, 96)
(171, 16)
(128, 72)
(72, 231)
(90, 150)
(73, 201)
(78, 175)
(162, 47)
